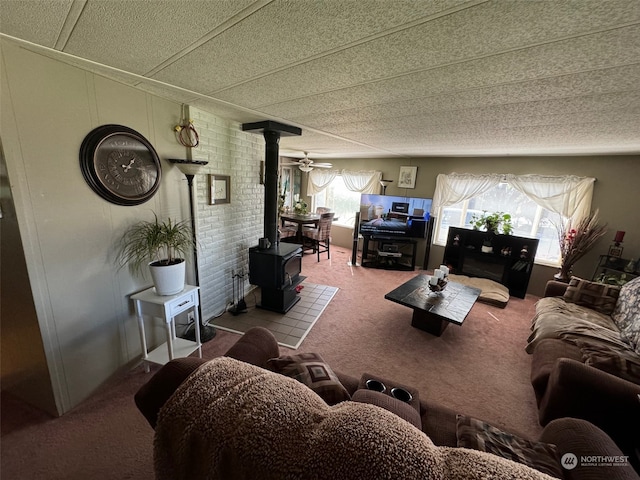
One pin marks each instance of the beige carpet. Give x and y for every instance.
(289, 328)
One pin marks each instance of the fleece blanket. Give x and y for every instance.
(556, 318)
(596, 334)
(231, 420)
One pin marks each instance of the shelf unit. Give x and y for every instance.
(510, 263)
(611, 270)
(396, 258)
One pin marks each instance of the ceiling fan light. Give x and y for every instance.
(305, 168)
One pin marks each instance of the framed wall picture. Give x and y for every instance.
(407, 177)
(615, 251)
(220, 189)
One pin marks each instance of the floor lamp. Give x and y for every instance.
(190, 168)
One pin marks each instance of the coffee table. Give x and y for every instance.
(433, 312)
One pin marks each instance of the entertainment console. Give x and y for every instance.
(390, 252)
(510, 263)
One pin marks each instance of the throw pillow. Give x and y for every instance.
(310, 369)
(478, 435)
(627, 313)
(612, 362)
(596, 296)
(400, 408)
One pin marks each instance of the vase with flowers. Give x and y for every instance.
(300, 207)
(576, 239)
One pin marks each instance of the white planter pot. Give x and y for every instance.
(168, 279)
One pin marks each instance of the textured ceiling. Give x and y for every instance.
(370, 78)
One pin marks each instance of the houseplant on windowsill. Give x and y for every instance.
(162, 245)
(576, 239)
(492, 223)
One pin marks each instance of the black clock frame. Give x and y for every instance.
(90, 147)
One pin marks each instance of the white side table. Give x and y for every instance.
(167, 307)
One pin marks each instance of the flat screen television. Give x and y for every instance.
(388, 216)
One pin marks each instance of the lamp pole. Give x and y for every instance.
(189, 169)
(193, 227)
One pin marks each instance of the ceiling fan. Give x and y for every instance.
(306, 164)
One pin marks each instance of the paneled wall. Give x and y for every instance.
(85, 318)
(68, 233)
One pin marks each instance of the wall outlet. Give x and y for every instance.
(190, 318)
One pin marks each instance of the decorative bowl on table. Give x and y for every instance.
(440, 286)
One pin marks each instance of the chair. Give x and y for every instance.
(321, 210)
(288, 233)
(320, 237)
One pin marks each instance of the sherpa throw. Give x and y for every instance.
(232, 420)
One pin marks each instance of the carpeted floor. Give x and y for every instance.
(289, 328)
(480, 369)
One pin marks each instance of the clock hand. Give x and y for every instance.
(128, 167)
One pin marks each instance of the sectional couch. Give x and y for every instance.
(257, 414)
(585, 348)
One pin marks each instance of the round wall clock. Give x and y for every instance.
(120, 165)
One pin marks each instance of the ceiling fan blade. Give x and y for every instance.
(321, 165)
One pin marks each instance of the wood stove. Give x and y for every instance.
(276, 270)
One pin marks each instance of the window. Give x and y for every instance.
(528, 218)
(340, 200)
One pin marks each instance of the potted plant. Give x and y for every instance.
(492, 223)
(162, 245)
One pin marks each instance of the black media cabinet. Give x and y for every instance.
(397, 258)
(510, 263)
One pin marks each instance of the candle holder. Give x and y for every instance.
(440, 286)
(615, 250)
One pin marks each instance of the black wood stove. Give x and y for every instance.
(275, 269)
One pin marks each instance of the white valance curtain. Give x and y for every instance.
(457, 187)
(319, 179)
(360, 181)
(568, 195)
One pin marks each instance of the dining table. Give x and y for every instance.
(301, 219)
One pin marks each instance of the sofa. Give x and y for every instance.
(250, 415)
(585, 349)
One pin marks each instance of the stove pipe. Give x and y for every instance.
(272, 132)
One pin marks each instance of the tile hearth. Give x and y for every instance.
(289, 328)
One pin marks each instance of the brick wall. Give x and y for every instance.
(225, 232)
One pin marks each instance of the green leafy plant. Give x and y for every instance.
(613, 279)
(493, 222)
(160, 242)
